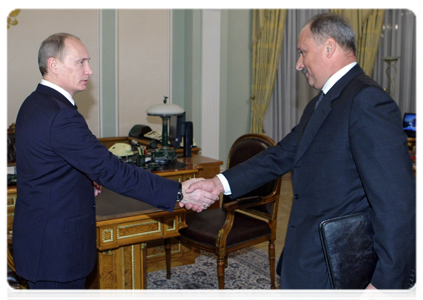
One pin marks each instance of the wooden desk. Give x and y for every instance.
(11, 201)
(134, 238)
(124, 226)
(206, 167)
(108, 142)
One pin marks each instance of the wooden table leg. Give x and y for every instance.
(143, 265)
(168, 248)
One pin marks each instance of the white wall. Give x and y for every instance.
(23, 42)
(143, 57)
(143, 66)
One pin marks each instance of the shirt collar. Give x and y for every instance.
(59, 89)
(335, 77)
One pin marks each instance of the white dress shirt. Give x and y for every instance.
(59, 89)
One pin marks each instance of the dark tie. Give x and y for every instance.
(320, 99)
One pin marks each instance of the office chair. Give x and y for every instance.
(239, 223)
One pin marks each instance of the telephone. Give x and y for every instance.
(138, 131)
(154, 135)
(121, 149)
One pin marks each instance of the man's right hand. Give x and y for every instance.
(213, 186)
(197, 200)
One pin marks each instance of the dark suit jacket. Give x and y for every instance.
(58, 158)
(350, 155)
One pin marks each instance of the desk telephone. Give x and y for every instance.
(154, 135)
(139, 131)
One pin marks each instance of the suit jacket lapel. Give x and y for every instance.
(314, 121)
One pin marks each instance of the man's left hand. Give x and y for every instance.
(97, 188)
(373, 293)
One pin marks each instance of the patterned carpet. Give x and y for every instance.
(247, 269)
(246, 277)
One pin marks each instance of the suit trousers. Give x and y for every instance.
(51, 290)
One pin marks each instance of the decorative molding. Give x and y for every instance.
(119, 228)
(110, 239)
(173, 228)
(133, 265)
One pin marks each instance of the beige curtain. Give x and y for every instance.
(367, 24)
(267, 36)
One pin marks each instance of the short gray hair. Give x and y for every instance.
(53, 46)
(328, 25)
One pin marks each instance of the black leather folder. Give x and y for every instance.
(348, 247)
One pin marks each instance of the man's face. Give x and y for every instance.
(74, 70)
(311, 60)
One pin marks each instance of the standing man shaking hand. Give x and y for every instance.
(348, 154)
(59, 164)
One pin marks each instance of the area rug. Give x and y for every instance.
(247, 269)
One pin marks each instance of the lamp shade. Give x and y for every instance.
(165, 110)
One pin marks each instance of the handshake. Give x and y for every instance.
(200, 193)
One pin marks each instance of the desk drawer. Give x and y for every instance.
(11, 200)
(121, 233)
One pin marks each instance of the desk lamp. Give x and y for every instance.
(165, 154)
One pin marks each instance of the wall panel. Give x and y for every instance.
(143, 65)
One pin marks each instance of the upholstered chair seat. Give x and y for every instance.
(243, 229)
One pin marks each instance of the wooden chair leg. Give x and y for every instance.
(168, 247)
(221, 272)
(226, 261)
(272, 264)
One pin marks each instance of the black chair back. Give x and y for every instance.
(243, 149)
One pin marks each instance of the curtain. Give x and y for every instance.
(398, 39)
(356, 17)
(367, 24)
(267, 31)
(291, 92)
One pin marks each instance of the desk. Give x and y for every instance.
(124, 226)
(132, 236)
(206, 167)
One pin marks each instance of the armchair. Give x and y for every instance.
(239, 223)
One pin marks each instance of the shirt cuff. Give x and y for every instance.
(225, 184)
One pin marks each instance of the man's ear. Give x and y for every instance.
(330, 46)
(52, 64)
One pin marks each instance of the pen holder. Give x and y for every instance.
(140, 158)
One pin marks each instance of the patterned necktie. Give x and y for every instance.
(318, 100)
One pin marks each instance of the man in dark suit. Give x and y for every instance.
(61, 165)
(348, 154)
